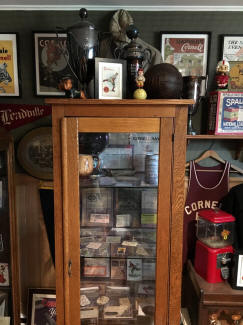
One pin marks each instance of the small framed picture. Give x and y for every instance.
(187, 51)
(41, 307)
(9, 69)
(110, 78)
(232, 48)
(237, 270)
(51, 62)
(235, 82)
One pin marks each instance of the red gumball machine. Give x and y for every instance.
(215, 234)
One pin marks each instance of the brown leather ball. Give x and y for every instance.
(163, 81)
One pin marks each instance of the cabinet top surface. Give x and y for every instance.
(69, 101)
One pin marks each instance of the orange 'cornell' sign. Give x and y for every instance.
(14, 115)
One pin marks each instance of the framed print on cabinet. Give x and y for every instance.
(187, 51)
(41, 307)
(9, 70)
(51, 62)
(110, 78)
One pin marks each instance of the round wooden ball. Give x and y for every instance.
(163, 81)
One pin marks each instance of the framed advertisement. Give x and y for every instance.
(9, 70)
(232, 47)
(41, 306)
(187, 51)
(51, 62)
(110, 78)
(225, 112)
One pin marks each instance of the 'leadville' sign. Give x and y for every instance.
(14, 115)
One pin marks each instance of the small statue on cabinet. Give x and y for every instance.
(140, 93)
(222, 75)
(66, 84)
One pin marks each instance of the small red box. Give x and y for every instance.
(207, 261)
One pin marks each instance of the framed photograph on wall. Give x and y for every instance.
(9, 69)
(187, 51)
(232, 48)
(110, 78)
(41, 307)
(51, 62)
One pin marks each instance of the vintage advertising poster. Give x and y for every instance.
(233, 48)
(229, 119)
(43, 309)
(110, 80)
(9, 79)
(188, 52)
(51, 63)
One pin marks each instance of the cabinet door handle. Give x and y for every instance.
(69, 268)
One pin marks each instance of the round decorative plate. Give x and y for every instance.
(35, 153)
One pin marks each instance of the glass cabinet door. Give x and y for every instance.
(118, 217)
(121, 278)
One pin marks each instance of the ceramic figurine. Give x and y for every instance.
(66, 84)
(213, 319)
(222, 75)
(140, 93)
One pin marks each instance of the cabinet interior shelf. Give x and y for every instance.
(214, 137)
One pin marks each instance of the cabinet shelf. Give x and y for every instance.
(214, 137)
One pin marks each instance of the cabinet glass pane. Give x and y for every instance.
(118, 217)
(5, 292)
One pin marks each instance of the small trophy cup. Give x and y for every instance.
(192, 89)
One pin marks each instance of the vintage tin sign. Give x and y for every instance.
(225, 113)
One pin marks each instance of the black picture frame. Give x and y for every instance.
(110, 78)
(51, 62)
(231, 47)
(236, 278)
(45, 298)
(10, 85)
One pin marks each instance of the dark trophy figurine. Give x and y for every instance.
(135, 55)
(82, 47)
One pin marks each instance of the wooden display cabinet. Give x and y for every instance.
(118, 260)
(9, 273)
